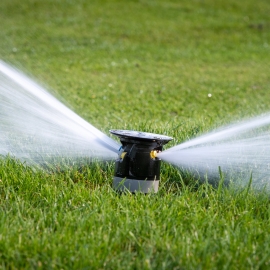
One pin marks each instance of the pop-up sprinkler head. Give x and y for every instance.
(137, 167)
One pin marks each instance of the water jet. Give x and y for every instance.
(137, 167)
(36, 128)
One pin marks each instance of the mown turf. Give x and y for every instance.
(147, 65)
(61, 221)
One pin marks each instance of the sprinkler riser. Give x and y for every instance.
(137, 169)
(140, 171)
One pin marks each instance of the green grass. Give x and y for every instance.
(146, 65)
(64, 221)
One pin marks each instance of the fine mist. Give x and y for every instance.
(240, 151)
(35, 127)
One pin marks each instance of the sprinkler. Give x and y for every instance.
(137, 167)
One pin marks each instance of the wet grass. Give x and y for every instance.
(63, 220)
(151, 66)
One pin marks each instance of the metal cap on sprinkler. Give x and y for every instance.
(137, 167)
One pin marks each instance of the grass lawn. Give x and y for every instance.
(179, 68)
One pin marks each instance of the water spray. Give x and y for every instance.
(38, 129)
(137, 167)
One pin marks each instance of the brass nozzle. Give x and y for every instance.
(123, 155)
(153, 154)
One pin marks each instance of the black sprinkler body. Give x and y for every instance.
(137, 167)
